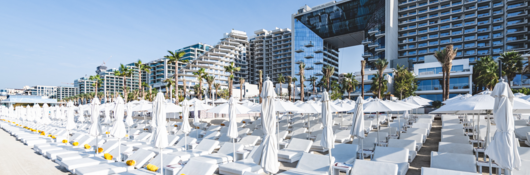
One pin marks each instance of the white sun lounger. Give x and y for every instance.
(249, 141)
(198, 168)
(182, 143)
(437, 171)
(53, 152)
(398, 156)
(524, 153)
(416, 137)
(523, 169)
(75, 154)
(204, 148)
(246, 165)
(457, 148)
(407, 144)
(293, 152)
(373, 168)
(421, 131)
(172, 139)
(342, 136)
(455, 139)
(451, 161)
(224, 155)
(71, 155)
(310, 164)
(141, 157)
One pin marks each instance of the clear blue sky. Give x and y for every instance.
(56, 42)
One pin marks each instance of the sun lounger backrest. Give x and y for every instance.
(141, 156)
(368, 142)
(450, 161)
(194, 133)
(314, 162)
(249, 140)
(207, 145)
(122, 149)
(85, 139)
(524, 153)
(143, 136)
(299, 145)
(407, 144)
(391, 154)
(211, 135)
(374, 168)
(214, 128)
(455, 139)
(224, 130)
(185, 141)
(437, 171)
(458, 148)
(343, 152)
(77, 136)
(412, 136)
(199, 168)
(172, 139)
(109, 146)
(228, 149)
(257, 132)
(168, 160)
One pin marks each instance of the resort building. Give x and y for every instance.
(114, 84)
(63, 92)
(161, 69)
(84, 85)
(270, 52)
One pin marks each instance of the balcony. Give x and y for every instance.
(310, 68)
(379, 35)
(367, 54)
(310, 44)
(318, 51)
(366, 42)
(373, 45)
(373, 31)
(309, 56)
(380, 49)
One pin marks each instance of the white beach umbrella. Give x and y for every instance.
(224, 108)
(129, 120)
(283, 106)
(160, 138)
(310, 108)
(70, 123)
(527, 98)
(81, 112)
(346, 105)
(106, 109)
(95, 127)
(480, 103)
(45, 114)
(503, 148)
(357, 129)
(186, 128)
(518, 94)
(220, 101)
(377, 105)
(232, 127)
(267, 154)
(328, 139)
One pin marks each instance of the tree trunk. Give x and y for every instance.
(230, 86)
(302, 95)
(125, 89)
(362, 78)
(314, 88)
(141, 90)
(448, 80)
(443, 83)
(177, 82)
(200, 90)
(281, 90)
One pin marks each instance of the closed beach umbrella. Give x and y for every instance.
(358, 123)
(160, 138)
(70, 123)
(186, 128)
(267, 157)
(232, 127)
(328, 139)
(95, 128)
(129, 121)
(118, 130)
(503, 147)
(45, 114)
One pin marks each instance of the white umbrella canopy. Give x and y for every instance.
(224, 108)
(377, 105)
(172, 108)
(346, 105)
(95, 127)
(220, 101)
(503, 148)
(310, 108)
(118, 129)
(192, 101)
(201, 106)
(143, 106)
(232, 127)
(267, 153)
(527, 98)
(336, 108)
(283, 106)
(45, 114)
(328, 139)
(480, 103)
(518, 95)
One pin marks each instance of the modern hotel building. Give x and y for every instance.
(270, 51)
(408, 32)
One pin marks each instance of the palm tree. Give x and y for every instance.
(170, 83)
(241, 83)
(197, 89)
(313, 82)
(445, 57)
(302, 79)
(363, 64)
(280, 80)
(231, 68)
(210, 80)
(381, 65)
(141, 67)
(201, 74)
(352, 83)
(512, 64)
(328, 71)
(124, 72)
(289, 88)
(144, 85)
(294, 87)
(485, 72)
(97, 81)
(260, 83)
(176, 58)
(217, 86)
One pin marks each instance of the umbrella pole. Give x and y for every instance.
(362, 149)
(478, 132)
(234, 147)
(330, 163)
(119, 150)
(186, 141)
(161, 161)
(97, 141)
(377, 113)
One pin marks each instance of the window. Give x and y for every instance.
(483, 52)
(422, 24)
(483, 14)
(457, 10)
(421, 58)
(412, 13)
(497, 50)
(483, 36)
(433, 29)
(445, 13)
(412, 33)
(423, 37)
(497, 19)
(455, 18)
(470, 15)
(445, 20)
(469, 38)
(515, 13)
(469, 23)
(495, 35)
(514, 46)
(457, 32)
(422, 44)
(468, 45)
(457, 25)
(457, 39)
(432, 43)
(436, 84)
(423, 31)
(483, 22)
(445, 27)
(482, 44)
(457, 46)
(497, 43)
(432, 50)
(469, 30)
(482, 29)
(433, 36)
(470, 52)
(412, 52)
(514, 22)
(422, 11)
(444, 34)
(457, 3)
(422, 51)
(422, 4)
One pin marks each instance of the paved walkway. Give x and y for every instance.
(423, 158)
(19, 159)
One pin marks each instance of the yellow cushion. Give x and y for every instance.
(87, 146)
(53, 137)
(107, 156)
(131, 162)
(152, 168)
(42, 133)
(65, 141)
(75, 143)
(107, 132)
(100, 150)
(126, 135)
